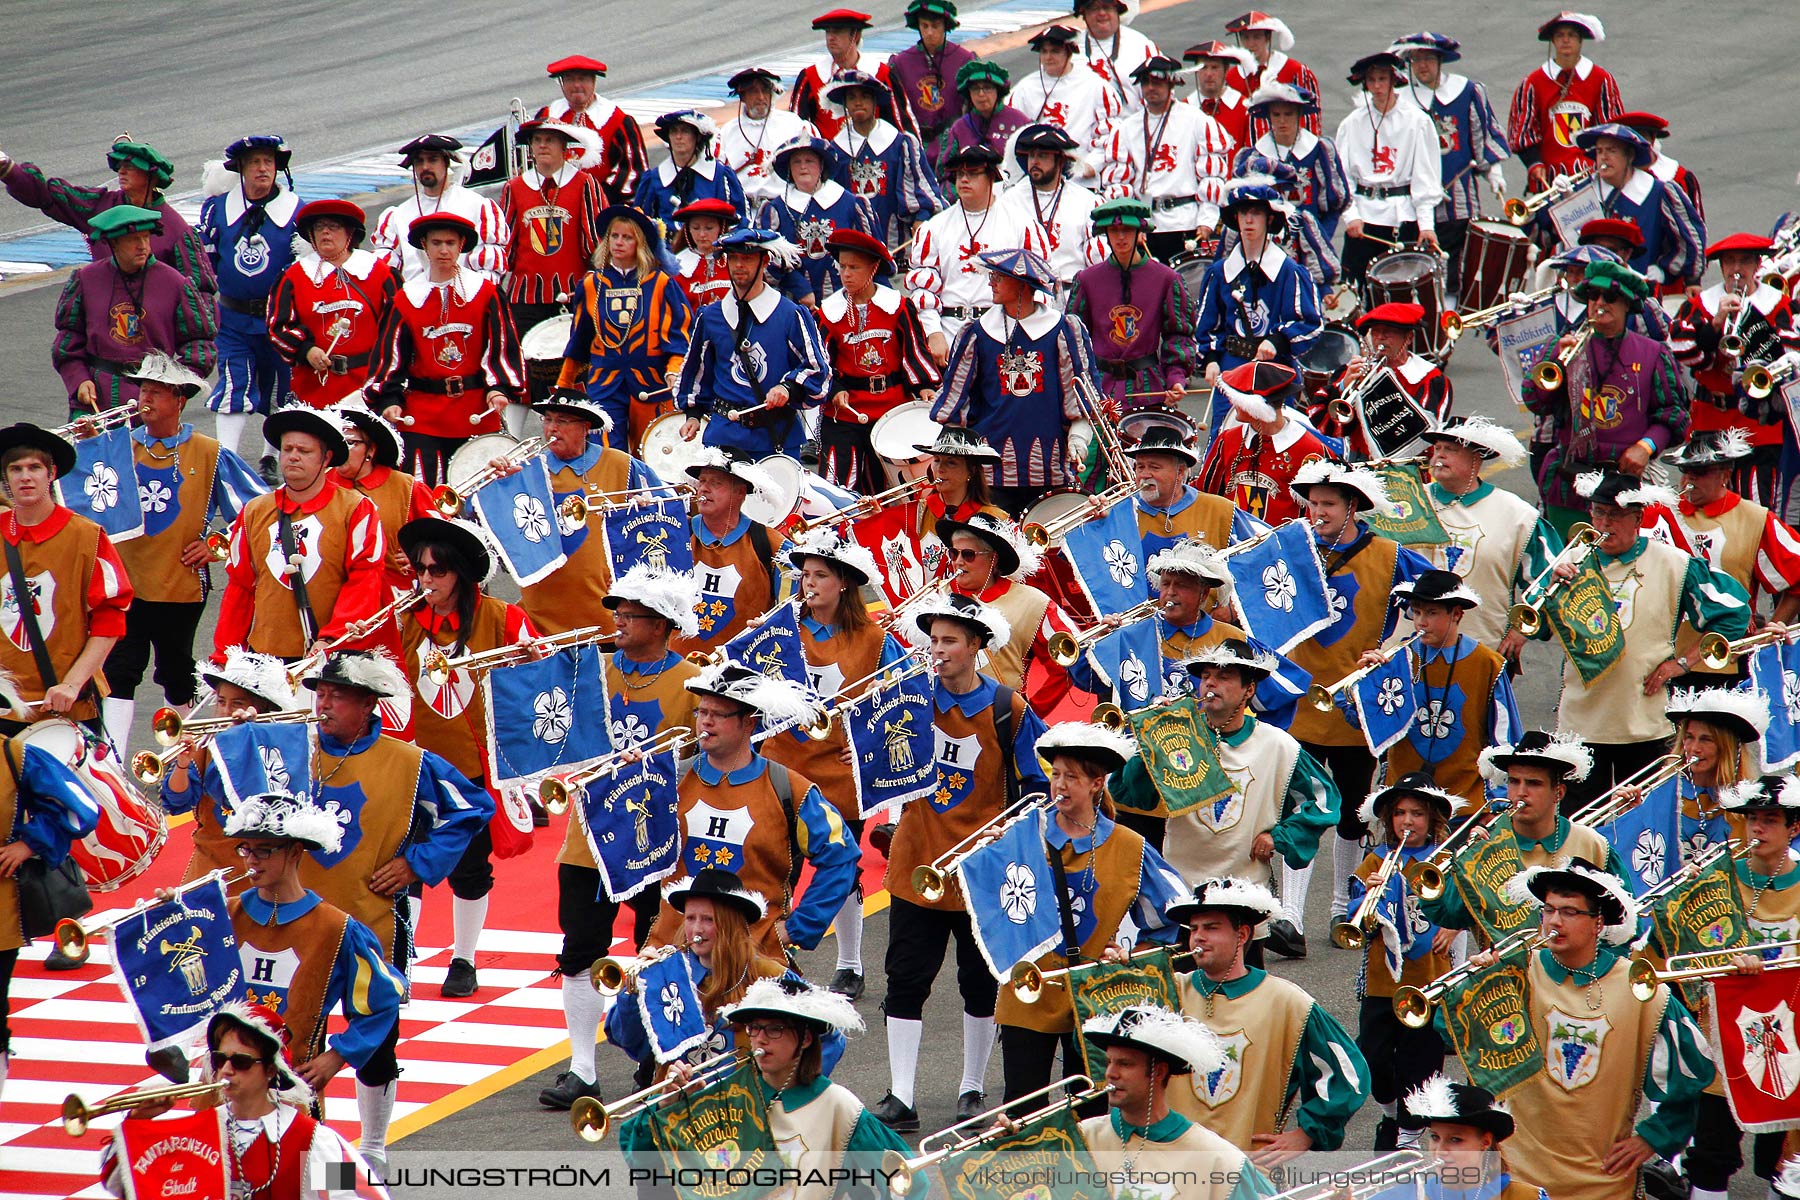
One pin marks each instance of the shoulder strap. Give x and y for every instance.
(765, 554)
(15, 566)
(1065, 906)
(783, 783)
(284, 529)
(1003, 732)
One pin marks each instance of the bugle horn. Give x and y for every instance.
(930, 879)
(449, 498)
(1066, 648)
(1718, 652)
(1355, 932)
(610, 976)
(935, 1148)
(1455, 324)
(1324, 699)
(97, 423)
(1413, 1005)
(1548, 374)
(76, 1114)
(1731, 338)
(356, 631)
(218, 545)
(890, 676)
(72, 937)
(591, 1119)
(584, 506)
(1527, 616)
(171, 727)
(1520, 209)
(557, 792)
(437, 666)
(1028, 980)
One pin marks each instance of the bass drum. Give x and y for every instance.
(1330, 353)
(1056, 576)
(542, 349)
(775, 510)
(897, 435)
(1411, 277)
(131, 830)
(666, 452)
(1495, 258)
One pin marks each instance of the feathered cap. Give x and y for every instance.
(1440, 1099)
(1587, 23)
(158, 367)
(371, 670)
(384, 439)
(1713, 448)
(1254, 902)
(575, 402)
(284, 816)
(268, 1028)
(984, 619)
(748, 239)
(1414, 783)
(668, 594)
(1106, 748)
(1186, 1044)
(1015, 558)
(1744, 713)
(1566, 756)
(847, 554)
(1622, 490)
(711, 883)
(1492, 439)
(1253, 661)
(1366, 484)
(1274, 92)
(1436, 587)
(1778, 792)
(734, 464)
(778, 702)
(797, 1000)
(1192, 556)
(1618, 910)
(1258, 389)
(262, 675)
(1280, 36)
(693, 118)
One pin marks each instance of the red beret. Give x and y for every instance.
(576, 62)
(711, 206)
(1646, 123)
(342, 210)
(1393, 313)
(842, 16)
(862, 243)
(1746, 243)
(1612, 227)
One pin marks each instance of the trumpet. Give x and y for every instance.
(1067, 648)
(1612, 804)
(449, 498)
(1761, 379)
(1354, 933)
(357, 629)
(1426, 876)
(1527, 616)
(1718, 653)
(1645, 974)
(1325, 698)
(72, 937)
(1456, 324)
(1063, 524)
(1376, 1174)
(930, 879)
(610, 976)
(583, 506)
(218, 545)
(557, 791)
(901, 1170)
(1520, 209)
(438, 667)
(820, 729)
(867, 506)
(1548, 374)
(97, 423)
(1413, 1005)
(591, 1119)
(1731, 338)
(76, 1114)
(1029, 980)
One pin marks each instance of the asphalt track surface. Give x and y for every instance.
(337, 79)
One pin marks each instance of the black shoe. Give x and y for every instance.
(895, 1115)
(1663, 1182)
(1387, 1134)
(848, 984)
(1285, 940)
(459, 980)
(58, 961)
(170, 1062)
(882, 837)
(267, 469)
(539, 817)
(970, 1104)
(567, 1089)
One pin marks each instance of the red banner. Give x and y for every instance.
(889, 536)
(1757, 1048)
(175, 1157)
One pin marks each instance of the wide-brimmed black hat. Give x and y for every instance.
(1164, 439)
(300, 419)
(1439, 1099)
(371, 671)
(23, 433)
(989, 529)
(1437, 587)
(464, 536)
(721, 887)
(959, 441)
(1583, 878)
(433, 143)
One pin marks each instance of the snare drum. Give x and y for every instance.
(1134, 425)
(773, 510)
(1056, 576)
(897, 435)
(131, 829)
(1335, 346)
(473, 456)
(666, 452)
(1191, 265)
(1411, 277)
(542, 348)
(1496, 256)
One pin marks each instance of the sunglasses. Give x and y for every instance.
(434, 570)
(967, 555)
(239, 1062)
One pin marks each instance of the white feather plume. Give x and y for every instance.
(1180, 1037)
(1750, 707)
(284, 815)
(761, 483)
(827, 543)
(1433, 1100)
(1192, 556)
(809, 1003)
(372, 670)
(1570, 751)
(742, 893)
(1588, 482)
(1486, 434)
(667, 593)
(1085, 735)
(1518, 891)
(262, 675)
(938, 605)
(216, 179)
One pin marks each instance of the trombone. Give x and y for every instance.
(583, 506)
(902, 1170)
(867, 506)
(1063, 524)
(1426, 876)
(1456, 324)
(820, 729)
(1761, 379)
(930, 879)
(591, 1119)
(1718, 653)
(72, 937)
(357, 629)
(1612, 804)
(1106, 429)
(1527, 616)
(557, 791)
(610, 976)
(97, 423)
(1067, 648)
(1029, 980)
(1325, 698)
(1645, 974)
(448, 498)
(1691, 871)
(1413, 1005)
(1354, 933)
(438, 667)
(76, 1114)
(1519, 210)
(1548, 374)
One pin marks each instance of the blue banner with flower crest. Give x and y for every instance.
(548, 715)
(1107, 556)
(1386, 702)
(519, 511)
(103, 487)
(1280, 586)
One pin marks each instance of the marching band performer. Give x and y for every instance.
(753, 350)
(881, 162)
(1288, 116)
(1642, 409)
(1048, 157)
(1387, 331)
(1464, 1129)
(1293, 1061)
(1362, 571)
(246, 685)
(45, 809)
(748, 140)
(735, 560)
(987, 122)
(1499, 542)
(690, 172)
(1138, 312)
(645, 683)
(1673, 232)
(959, 490)
(1716, 731)
(326, 312)
(923, 72)
(308, 559)
(702, 264)
(740, 810)
(1536, 771)
(1113, 49)
(990, 561)
(436, 161)
(1214, 93)
(186, 479)
(619, 160)
(1108, 875)
(1301, 240)
(843, 645)
(1391, 157)
(74, 628)
(843, 29)
(879, 358)
(1409, 818)
(1268, 39)
(1621, 714)
(1013, 376)
(454, 564)
(1137, 1040)
(304, 957)
(946, 278)
(632, 327)
(1569, 93)
(1655, 130)
(1171, 156)
(1254, 460)
(807, 210)
(1169, 509)
(249, 1051)
(552, 214)
(1588, 1142)
(371, 466)
(1065, 95)
(987, 760)
(448, 362)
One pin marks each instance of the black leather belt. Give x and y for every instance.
(112, 366)
(966, 312)
(1383, 191)
(869, 383)
(1165, 203)
(341, 364)
(1239, 347)
(250, 308)
(1126, 368)
(455, 385)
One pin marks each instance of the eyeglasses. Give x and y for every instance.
(964, 554)
(1567, 914)
(772, 1029)
(258, 853)
(239, 1062)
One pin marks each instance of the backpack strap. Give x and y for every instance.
(1003, 731)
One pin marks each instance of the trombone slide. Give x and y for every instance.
(97, 422)
(931, 879)
(935, 1148)
(557, 792)
(449, 498)
(1646, 975)
(1324, 699)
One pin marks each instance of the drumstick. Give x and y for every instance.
(1193, 391)
(740, 413)
(1369, 237)
(653, 392)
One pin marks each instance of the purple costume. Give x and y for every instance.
(1632, 391)
(928, 83)
(971, 129)
(107, 322)
(1142, 324)
(73, 205)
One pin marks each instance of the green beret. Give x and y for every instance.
(144, 157)
(1123, 211)
(983, 70)
(122, 219)
(942, 9)
(1613, 280)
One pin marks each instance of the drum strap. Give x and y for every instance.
(15, 566)
(309, 623)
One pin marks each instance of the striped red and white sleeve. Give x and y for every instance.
(108, 592)
(1777, 557)
(365, 570)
